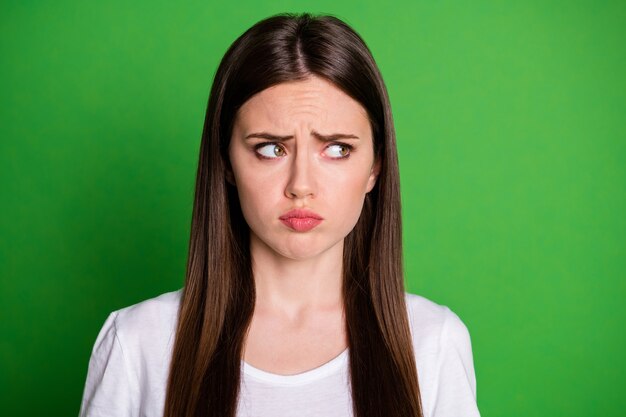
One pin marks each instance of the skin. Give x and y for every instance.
(298, 322)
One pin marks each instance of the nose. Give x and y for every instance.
(301, 181)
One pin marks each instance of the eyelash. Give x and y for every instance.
(263, 144)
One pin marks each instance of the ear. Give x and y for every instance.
(230, 177)
(373, 175)
(228, 174)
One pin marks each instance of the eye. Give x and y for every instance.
(339, 150)
(269, 150)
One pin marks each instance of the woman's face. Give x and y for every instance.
(302, 145)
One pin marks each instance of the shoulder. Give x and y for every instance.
(155, 316)
(129, 361)
(156, 308)
(444, 359)
(142, 330)
(433, 325)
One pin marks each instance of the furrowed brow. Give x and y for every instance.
(333, 136)
(264, 135)
(324, 138)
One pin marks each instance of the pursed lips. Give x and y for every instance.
(301, 220)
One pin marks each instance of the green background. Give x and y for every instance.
(511, 132)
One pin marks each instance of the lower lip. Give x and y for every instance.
(301, 224)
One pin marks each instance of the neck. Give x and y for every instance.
(293, 286)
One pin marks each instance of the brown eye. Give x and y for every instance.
(339, 150)
(270, 150)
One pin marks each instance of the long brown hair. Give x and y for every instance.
(218, 298)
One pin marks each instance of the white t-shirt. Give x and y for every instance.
(130, 360)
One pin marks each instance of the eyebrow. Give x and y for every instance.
(323, 138)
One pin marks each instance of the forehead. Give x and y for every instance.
(313, 102)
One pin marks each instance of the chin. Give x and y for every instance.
(297, 247)
(299, 254)
(299, 251)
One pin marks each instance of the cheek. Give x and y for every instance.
(249, 187)
(348, 196)
(255, 196)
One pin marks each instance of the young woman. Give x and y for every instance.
(294, 303)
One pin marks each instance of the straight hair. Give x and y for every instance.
(218, 298)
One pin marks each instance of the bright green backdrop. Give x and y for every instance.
(511, 132)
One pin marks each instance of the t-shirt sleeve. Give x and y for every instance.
(456, 387)
(109, 388)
